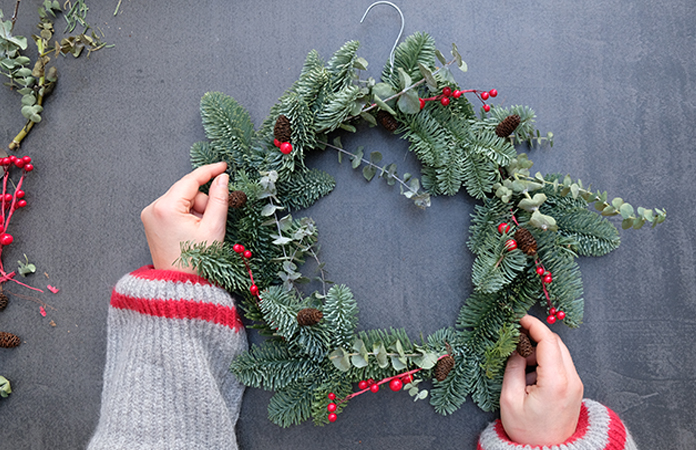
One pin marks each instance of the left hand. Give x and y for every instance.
(184, 213)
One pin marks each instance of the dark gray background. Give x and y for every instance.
(613, 80)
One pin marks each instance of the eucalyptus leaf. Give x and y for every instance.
(404, 78)
(384, 106)
(356, 159)
(426, 361)
(383, 90)
(626, 211)
(369, 172)
(398, 363)
(409, 103)
(380, 353)
(340, 359)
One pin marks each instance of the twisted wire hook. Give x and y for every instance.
(391, 54)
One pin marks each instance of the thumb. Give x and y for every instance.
(215, 215)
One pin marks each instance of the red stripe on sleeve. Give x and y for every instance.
(150, 273)
(617, 432)
(180, 309)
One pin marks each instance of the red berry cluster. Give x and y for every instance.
(246, 255)
(396, 383)
(285, 147)
(448, 93)
(544, 275)
(11, 202)
(510, 244)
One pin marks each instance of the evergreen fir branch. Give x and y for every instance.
(301, 117)
(479, 175)
(428, 140)
(497, 355)
(449, 395)
(203, 153)
(271, 366)
(228, 125)
(484, 223)
(485, 391)
(341, 316)
(333, 382)
(217, 263)
(314, 81)
(304, 188)
(336, 109)
(419, 48)
(311, 341)
(280, 308)
(291, 405)
(496, 267)
(449, 177)
(482, 316)
(593, 234)
(341, 65)
(497, 150)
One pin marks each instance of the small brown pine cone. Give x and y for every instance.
(309, 316)
(3, 301)
(387, 120)
(282, 130)
(524, 346)
(9, 340)
(237, 199)
(507, 126)
(443, 367)
(525, 241)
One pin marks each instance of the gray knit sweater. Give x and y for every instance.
(167, 384)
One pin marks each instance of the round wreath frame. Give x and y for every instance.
(314, 355)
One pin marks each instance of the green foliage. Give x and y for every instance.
(302, 364)
(5, 389)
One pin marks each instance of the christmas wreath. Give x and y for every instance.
(526, 232)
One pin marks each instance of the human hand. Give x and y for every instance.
(542, 407)
(184, 213)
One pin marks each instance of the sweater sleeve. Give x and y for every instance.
(167, 384)
(599, 428)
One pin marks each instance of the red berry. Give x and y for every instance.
(276, 142)
(493, 92)
(457, 94)
(486, 108)
(540, 270)
(6, 239)
(247, 254)
(374, 388)
(13, 158)
(332, 417)
(238, 248)
(19, 163)
(503, 228)
(551, 319)
(446, 91)
(21, 203)
(396, 384)
(422, 103)
(406, 379)
(362, 385)
(445, 101)
(5, 161)
(19, 193)
(548, 279)
(8, 198)
(370, 381)
(332, 396)
(26, 159)
(254, 289)
(560, 315)
(510, 244)
(28, 167)
(285, 148)
(552, 311)
(331, 407)
(484, 95)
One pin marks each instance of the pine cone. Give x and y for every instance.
(507, 126)
(282, 130)
(524, 346)
(237, 199)
(3, 301)
(9, 340)
(387, 120)
(443, 367)
(525, 241)
(309, 316)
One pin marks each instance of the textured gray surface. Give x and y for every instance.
(613, 80)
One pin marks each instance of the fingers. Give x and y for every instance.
(187, 187)
(514, 382)
(215, 214)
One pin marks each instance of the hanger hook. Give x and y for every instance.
(391, 55)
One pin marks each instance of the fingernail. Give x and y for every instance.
(223, 180)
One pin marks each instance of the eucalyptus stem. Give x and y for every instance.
(14, 15)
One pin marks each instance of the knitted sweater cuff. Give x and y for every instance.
(599, 428)
(171, 337)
